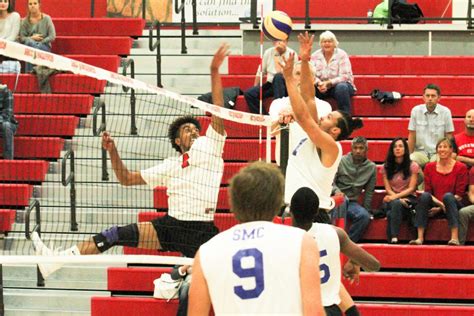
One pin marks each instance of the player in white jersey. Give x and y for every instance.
(331, 241)
(257, 267)
(192, 180)
(313, 162)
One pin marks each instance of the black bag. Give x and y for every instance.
(230, 97)
(386, 96)
(402, 12)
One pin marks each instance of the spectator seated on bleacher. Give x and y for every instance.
(429, 123)
(356, 174)
(275, 85)
(445, 187)
(9, 21)
(8, 124)
(465, 141)
(333, 72)
(466, 214)
(400, 176)
(37, 29)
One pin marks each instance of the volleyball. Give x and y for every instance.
(277, 26)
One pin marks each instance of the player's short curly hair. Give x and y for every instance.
(173, 130)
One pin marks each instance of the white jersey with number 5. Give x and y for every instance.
(254, 268)
(329, 262)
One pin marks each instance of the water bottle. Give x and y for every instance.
(370, 14)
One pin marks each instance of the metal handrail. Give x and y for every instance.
(36, 206)
(253, 13)
(177, 10)
(100, 105)
(469, 14)
(156, 46)
(70, 180)
(129, 62)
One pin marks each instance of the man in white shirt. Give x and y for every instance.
(257, 267)
(192, 180)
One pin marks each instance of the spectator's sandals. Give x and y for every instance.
(416, 242)
(453, 242)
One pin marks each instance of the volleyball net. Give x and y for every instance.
(61, 182)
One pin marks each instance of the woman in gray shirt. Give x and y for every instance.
(37, 29)
(9, 21)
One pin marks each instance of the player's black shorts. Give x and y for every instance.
(183, 236)
(332, 310)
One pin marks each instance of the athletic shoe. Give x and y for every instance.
(41, 249)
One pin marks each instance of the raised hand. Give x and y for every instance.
(306, 44)
(107, 142)
(221, 53)
(287, 66)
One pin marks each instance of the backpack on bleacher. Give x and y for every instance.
(403, 12)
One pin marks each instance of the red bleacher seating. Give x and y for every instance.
(60, 83)
(46, 125)
(15, 194)
(92, 45)
(37, 147)
(98, 26)
(421, 258)
(379, 65)
(137, 306)
(409, 85)
(23, 170)
(7, 218)
(411, 285)
(76, 104)
(246, 150)
(107, 62)
(414, 310)
(61, 8)
(138, 279)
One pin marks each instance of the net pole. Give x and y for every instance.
(260, 101)
(269, 145)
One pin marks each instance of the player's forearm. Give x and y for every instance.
(217, 98)
(120, 170)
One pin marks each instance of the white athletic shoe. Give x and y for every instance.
(41, 249)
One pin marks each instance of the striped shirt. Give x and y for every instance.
(338, 69)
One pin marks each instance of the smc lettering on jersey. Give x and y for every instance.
(245, 234)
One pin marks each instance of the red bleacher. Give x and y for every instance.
(15, 194)
(7, 218)
(92, 45)
(98, 26)
(23, 170)
(46, 125)
(75, 8)
(76, 104)
(37, 147)
(107, 62)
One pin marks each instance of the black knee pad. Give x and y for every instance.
(117, 236)
(353, 311)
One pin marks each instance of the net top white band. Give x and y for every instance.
(142, 259)
(25, 53)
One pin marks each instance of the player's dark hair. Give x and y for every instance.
(391, 166)
(256, 192)
(173, 130)
(304, 206)
(347, 124)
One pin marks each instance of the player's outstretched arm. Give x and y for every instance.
(199, 297)
(310, 278)
(216, 86)
(320, 138)
(355, 253)
(124, 176)
(306, 86)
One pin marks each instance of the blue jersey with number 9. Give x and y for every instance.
(243, 269)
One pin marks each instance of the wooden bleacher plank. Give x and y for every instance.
(60, 83)
(75, 104)
(136, 306)
(413, 285)
(15, 194)
(98, 26)
(23, 170)
(46, 125)
(423, 257)
(92, 45)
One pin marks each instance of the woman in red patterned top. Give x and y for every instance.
(445, 186)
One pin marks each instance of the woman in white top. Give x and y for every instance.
(314, 161)
(9, 21)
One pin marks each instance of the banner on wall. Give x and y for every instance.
(215, 11)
